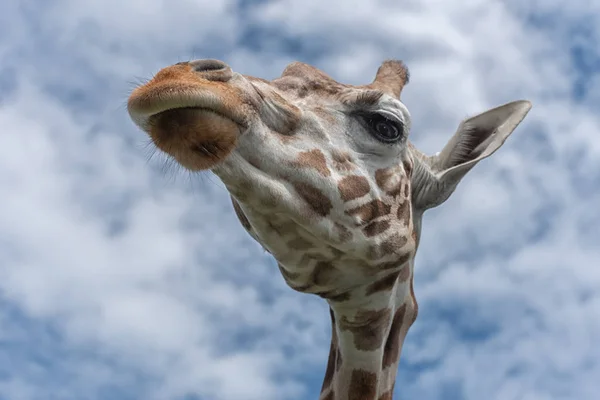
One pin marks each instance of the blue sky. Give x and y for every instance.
(122, 279)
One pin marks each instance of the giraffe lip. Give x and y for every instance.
(171, 110)
(145, 104)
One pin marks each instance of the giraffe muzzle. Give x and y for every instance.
(191, 111)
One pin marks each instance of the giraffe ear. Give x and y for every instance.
(435, 178)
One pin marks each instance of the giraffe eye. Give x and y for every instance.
(384, 129)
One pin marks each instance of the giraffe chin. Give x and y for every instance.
(197, 138)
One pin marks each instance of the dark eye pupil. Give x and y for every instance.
(386, 129)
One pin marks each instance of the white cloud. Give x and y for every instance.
(150, 288)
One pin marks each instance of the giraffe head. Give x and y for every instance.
(324, 177)
(322, 174)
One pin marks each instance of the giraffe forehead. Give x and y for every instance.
(302, 80)
(302, 72)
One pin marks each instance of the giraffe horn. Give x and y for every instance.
(391, 77)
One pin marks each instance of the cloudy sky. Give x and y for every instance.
(125, 278)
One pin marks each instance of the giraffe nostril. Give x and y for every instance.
(208, 65)
(213, 70)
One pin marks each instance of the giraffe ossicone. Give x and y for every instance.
(324, 177)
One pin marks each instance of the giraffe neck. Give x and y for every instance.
(366, 343)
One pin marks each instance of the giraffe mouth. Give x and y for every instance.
(194, 121)
(188, 125)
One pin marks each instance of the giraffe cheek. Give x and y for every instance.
(197, 138)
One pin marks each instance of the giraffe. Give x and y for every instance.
(323, 176)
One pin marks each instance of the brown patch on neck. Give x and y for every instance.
(389, 180)
(323, 273)
(342, 161)
(353, 187)
(368, 212)
(376, 227)
(391, 245)
(368, 328)
(404, 212)
(335, 297)
(393, 264)
(391, 350)
(314, 159)
(288, 275)
(408, 167)
(333, 352)
(344, 234)
(363, 385)
(382, 285)
(317, 201)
